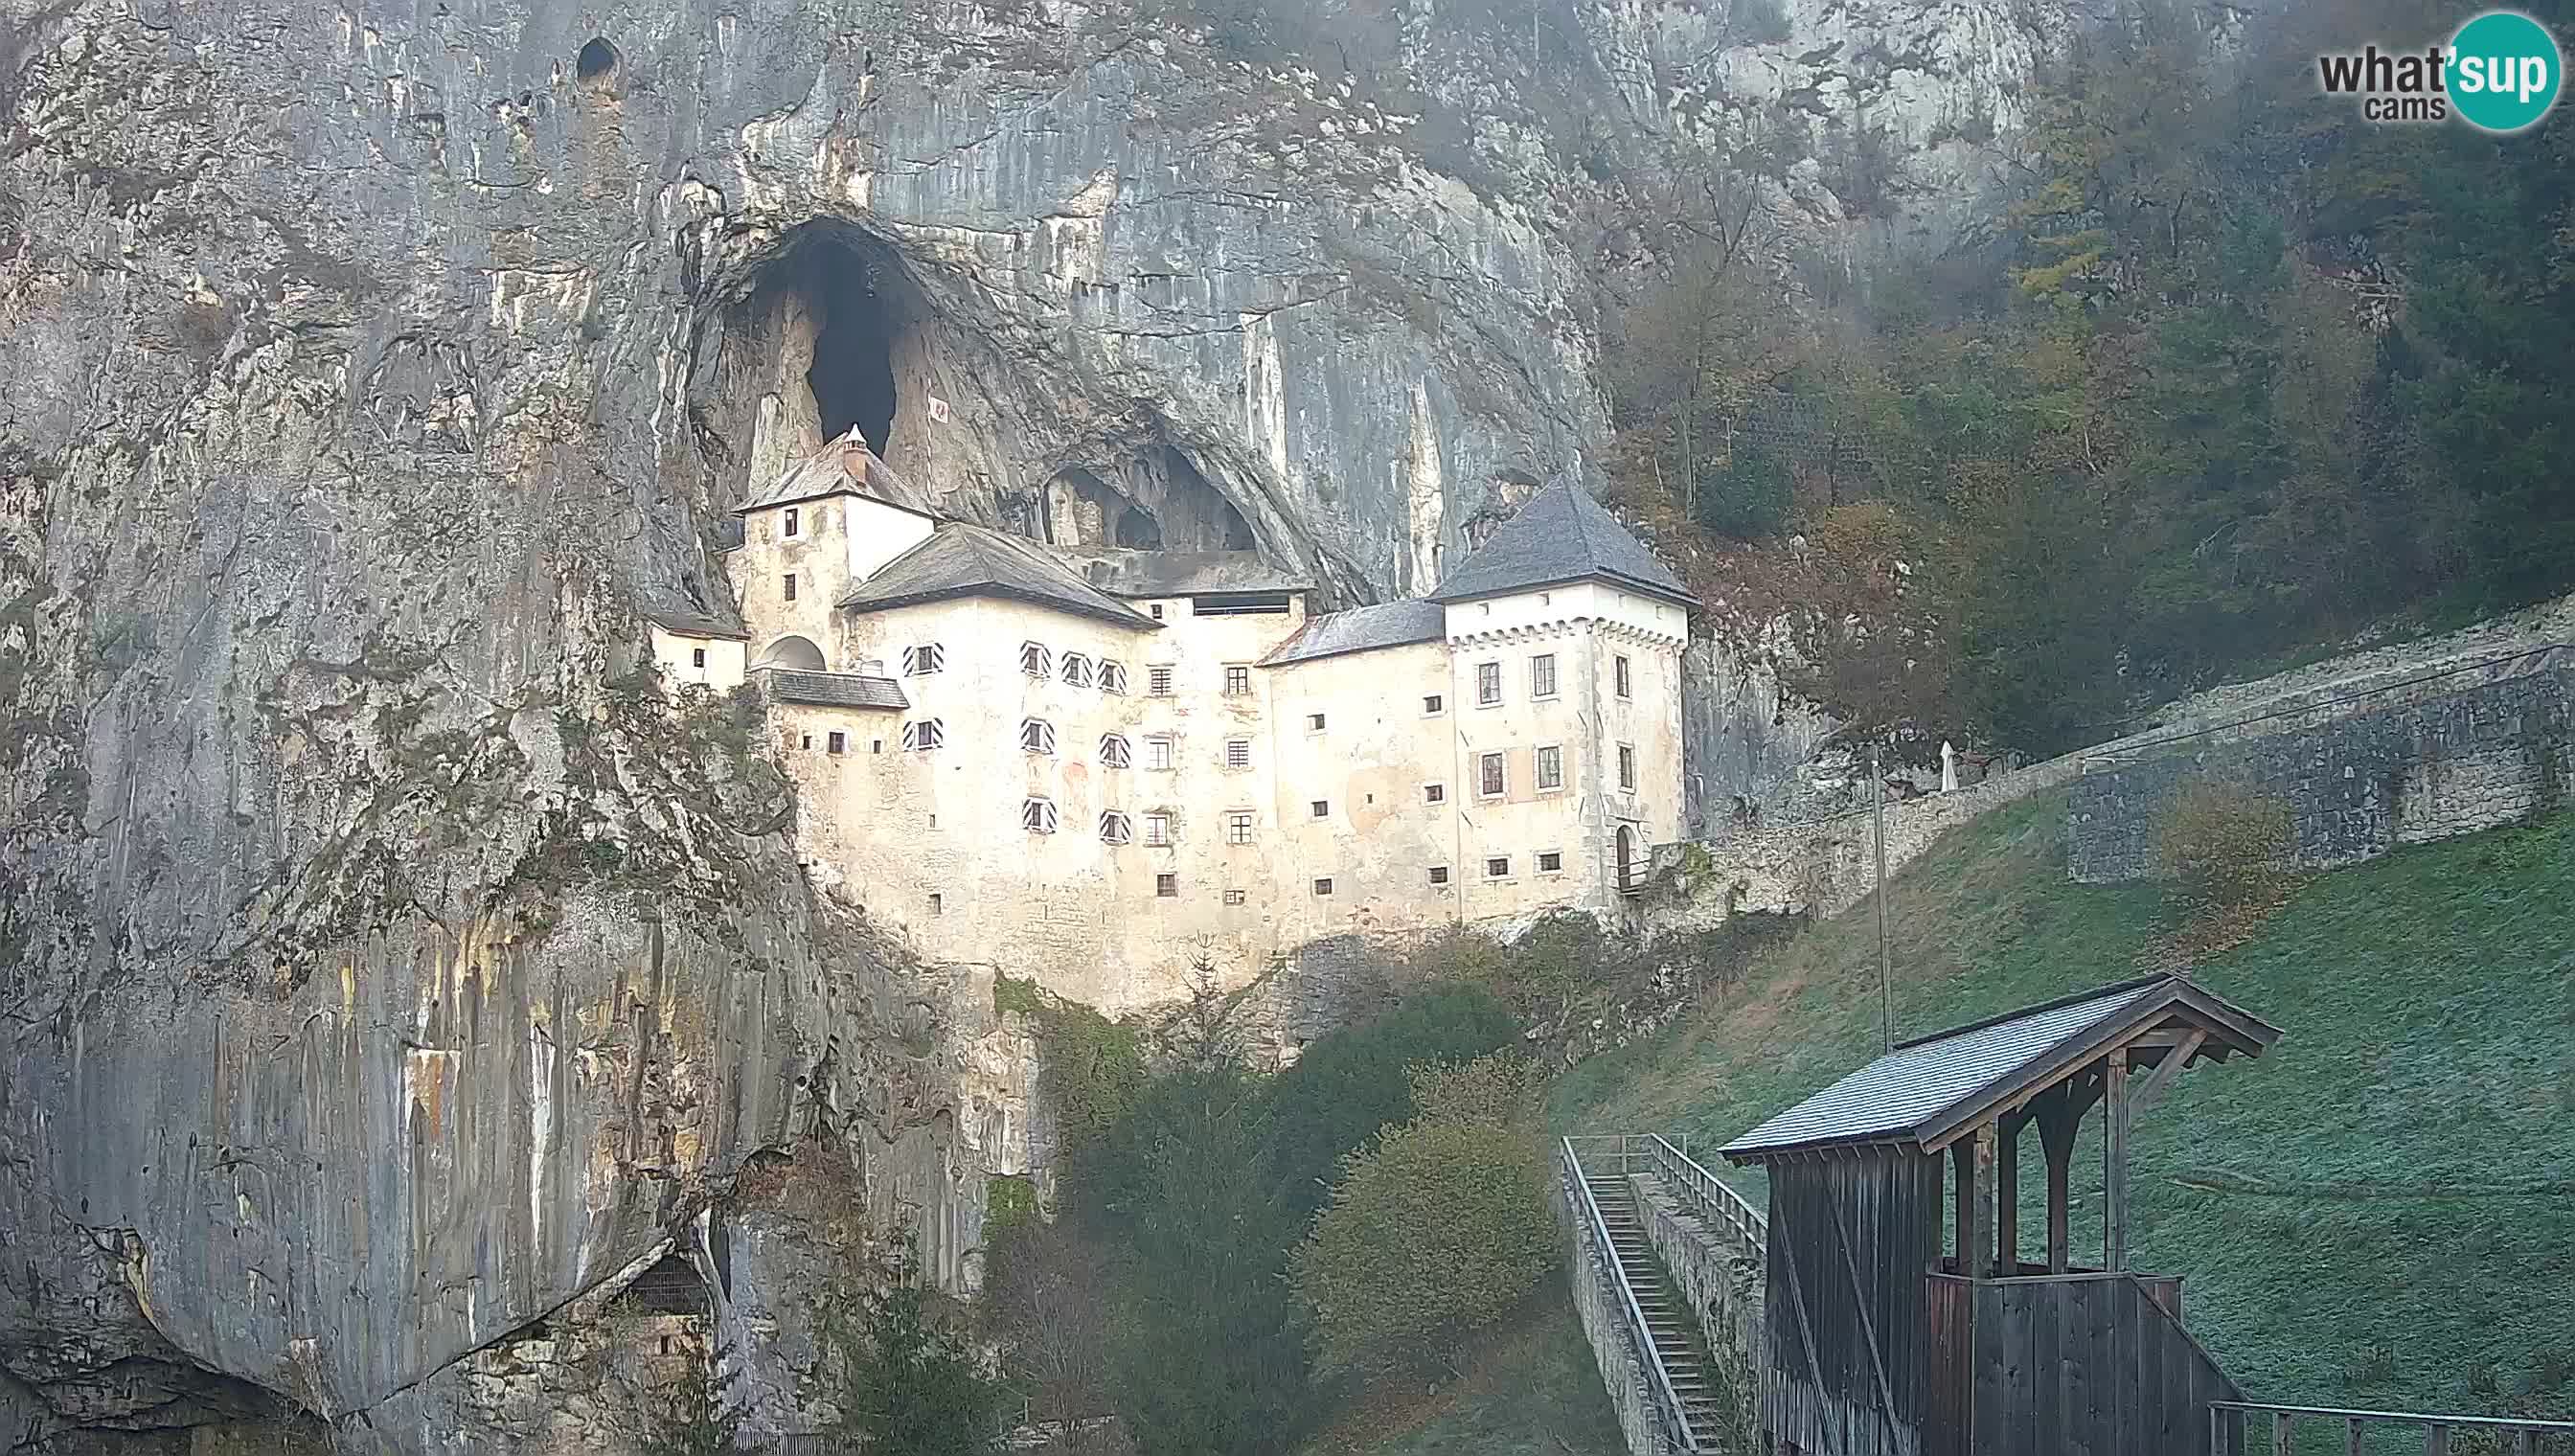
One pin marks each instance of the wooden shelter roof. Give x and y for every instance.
(1926, 1093)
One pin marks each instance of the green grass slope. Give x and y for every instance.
(2380, 1212)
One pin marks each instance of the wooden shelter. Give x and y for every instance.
(1881, 1342)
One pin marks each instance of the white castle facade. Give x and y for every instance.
(1093, 766)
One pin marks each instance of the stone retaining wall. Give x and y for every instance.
(1823, 868)
(1722, 1277)
(2417, 762)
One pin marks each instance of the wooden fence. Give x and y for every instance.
(2347, 1432)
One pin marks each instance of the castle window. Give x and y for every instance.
(1314, 722)
(790, 588)
(1167, 886)
(1157, 612)
(697, 657)
(1238, 827)
(1077, 670)
(924, 735)
(1434, 705)
(1491, 781)
(1488, 684)
(1113, 751)
(1158, 680)
(1550, 862)
(1434, 793)
(1439, 874)
(937, 907)
(1037, 815)
(1113, 829)
(1626, 768)
(1233, 896)
(1037, 735)
(1323, 807)
(1618, 676)
(791, 521)
(1158, 829)
(1237, 752)
(839, 743)
(1035, 660)
(876, 745)
(1550, 767)
(924, 658)
(805, 741)
(1238, 681)
(1542, 675)
(1158, 752)
(1323, 888)
(1498, 867)
(1113, 677)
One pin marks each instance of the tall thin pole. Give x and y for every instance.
(1886, 998)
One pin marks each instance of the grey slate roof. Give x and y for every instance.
(1124, 573)
(1394, 625)
(827, 471)
(1561, 536)
(969, 561)
(836, 690)
(1921, 1088)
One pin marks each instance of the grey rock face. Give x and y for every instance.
(381, 968)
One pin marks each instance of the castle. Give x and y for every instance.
(1094, 766)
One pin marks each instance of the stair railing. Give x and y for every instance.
(1658, 1380)
(1714, 1199)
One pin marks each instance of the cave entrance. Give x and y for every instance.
(671, 1286)
(1082, 509)
(852, 373)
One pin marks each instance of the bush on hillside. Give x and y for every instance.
(1437, 1230)
(1352, 1083)
(915, 1382)
(2223, 849)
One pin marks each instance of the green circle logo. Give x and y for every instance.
(2503, 71)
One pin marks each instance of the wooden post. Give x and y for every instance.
(2114, 1254)
(2352, 1429)
(2436, 1440)
(2057, 1129)
(1986, 1137)
(1962, 1165)
(2007, 1200)
(2283, 1433)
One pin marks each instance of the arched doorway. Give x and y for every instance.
(1626, 857)
(794, 653)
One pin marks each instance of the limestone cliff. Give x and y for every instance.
(380, 973)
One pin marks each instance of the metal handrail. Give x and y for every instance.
(1668, 1398)
(1750, 1228)
(2436, 1428)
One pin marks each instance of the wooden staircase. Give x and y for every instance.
(1670, 1321)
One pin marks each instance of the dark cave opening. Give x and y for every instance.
(1082, 509)
(853, 373)
(1223, 521)
(596, 59)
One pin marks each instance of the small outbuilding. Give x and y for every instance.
(1887, 1334)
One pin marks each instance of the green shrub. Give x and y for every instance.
(2223, 849)
(1437, 1230)
(1352, 1083)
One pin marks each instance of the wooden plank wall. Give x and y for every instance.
(2088, 1365)
(1852, 1238)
